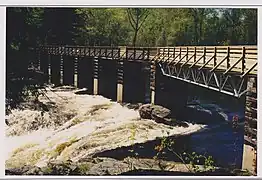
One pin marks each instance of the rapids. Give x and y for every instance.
(76, 127)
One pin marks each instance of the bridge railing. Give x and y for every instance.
(228, 59)
(80, 51)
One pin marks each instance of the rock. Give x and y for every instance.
(158, 119)
(109, 166)
(133, 106)
(18, 171)
(158, 113)
(34, 171)
(82, 168)
(142, 164)
(145, 111)
(82, 91)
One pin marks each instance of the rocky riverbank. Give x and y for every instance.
(103, 166)
(65, 126)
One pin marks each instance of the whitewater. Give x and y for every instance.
(75, 127)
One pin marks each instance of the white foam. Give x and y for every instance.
(111, 126)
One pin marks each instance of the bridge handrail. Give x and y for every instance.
(237, 58)
(230, 59)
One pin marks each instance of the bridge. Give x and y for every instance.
(231, 70)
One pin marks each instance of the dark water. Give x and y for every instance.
(223, 142)
(220, 140)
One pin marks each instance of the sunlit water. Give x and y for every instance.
(79, 126)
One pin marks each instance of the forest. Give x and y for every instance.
(30, 27)
(130, 26)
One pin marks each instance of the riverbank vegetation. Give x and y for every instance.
(30, 27)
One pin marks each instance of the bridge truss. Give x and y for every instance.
(223, 69)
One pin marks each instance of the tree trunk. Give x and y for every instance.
(134, 39)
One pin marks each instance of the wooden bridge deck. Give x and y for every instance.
(231, 59)
(240, 60)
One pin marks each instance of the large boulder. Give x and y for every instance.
(159, 114)
(155, 112)
(145, 111)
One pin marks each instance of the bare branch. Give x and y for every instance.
(130, 19)
(143, 21)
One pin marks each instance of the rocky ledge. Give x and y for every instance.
(102, 166)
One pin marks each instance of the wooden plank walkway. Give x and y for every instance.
(227, 59)
(239, 60)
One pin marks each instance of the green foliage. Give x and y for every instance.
(193, 159)
(118, 26)
(30, 27)
(101, 26)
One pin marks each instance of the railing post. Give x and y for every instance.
(134, 53)
(180, 53)
(243, 59)
(106, 52)
(195, 54)
(204, 57)
(228, 59)
(186, 53)
(215, 56)
(168, 52)
(174, 54)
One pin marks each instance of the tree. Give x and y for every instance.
(137, 17)
(232, 20)
(22, 29)
(250, 26)
(58, 25)
(101, 26)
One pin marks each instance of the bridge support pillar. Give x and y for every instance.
(120, 79)
(96, 74)
(61, 69)
(250, 137)
(75, 72)
(152, 81)
(49, 69)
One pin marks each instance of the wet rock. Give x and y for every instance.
(133, 106)
(82, 91)
(63, 88)
(159, 114)
(145, 111)
(155, 112)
